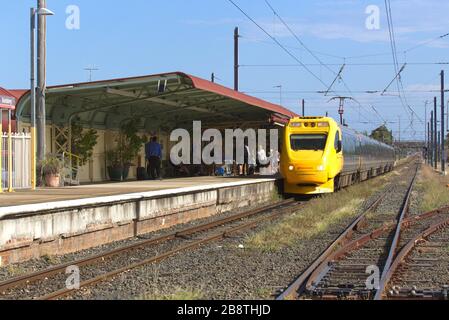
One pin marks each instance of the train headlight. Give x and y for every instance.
(291, 168)
(320, 168)
(296, 124)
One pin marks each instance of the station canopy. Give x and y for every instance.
(170, 100)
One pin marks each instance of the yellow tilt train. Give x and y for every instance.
(319, 156)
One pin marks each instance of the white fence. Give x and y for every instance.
(21, 161)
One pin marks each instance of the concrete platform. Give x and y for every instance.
(64, 220)
(110, 189)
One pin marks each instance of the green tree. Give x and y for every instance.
(382, 134)
(83, 142)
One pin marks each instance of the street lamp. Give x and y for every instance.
(33, 13)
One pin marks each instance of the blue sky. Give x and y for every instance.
(140, 37)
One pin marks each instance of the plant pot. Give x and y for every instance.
(52, 180)
(125, 172)
(116, 173)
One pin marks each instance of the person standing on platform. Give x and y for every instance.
(153, 152)
(262, 161)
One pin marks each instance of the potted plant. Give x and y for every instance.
(83, 142)
(51, 171)
(115, 167)
(121, 158)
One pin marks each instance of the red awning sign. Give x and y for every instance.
(7, 102)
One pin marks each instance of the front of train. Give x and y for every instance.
(309, 157)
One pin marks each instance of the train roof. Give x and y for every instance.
(345, 129)
(363, 136)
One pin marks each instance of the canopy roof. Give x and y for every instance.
(166, 100)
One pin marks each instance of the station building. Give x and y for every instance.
(55, 221)
(157, 104)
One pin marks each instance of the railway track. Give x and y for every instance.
(369, 244)
(50, 283)
(421, 268)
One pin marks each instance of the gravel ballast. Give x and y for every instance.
(220, 270)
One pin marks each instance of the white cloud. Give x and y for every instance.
(414, 21)
(423, 87)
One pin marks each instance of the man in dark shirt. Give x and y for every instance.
(153, 153)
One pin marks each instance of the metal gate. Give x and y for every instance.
(15, 163)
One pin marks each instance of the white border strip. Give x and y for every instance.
(34, 208)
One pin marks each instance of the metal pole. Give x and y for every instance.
(399, 134)
(447, 116)
(431, 139)
(443, 160)
(425, 121)
(236, 59)
(33, 96)
(341, 110)
(425, 139)
(435, 133)
(9, 152)
(41, 82)
(303, 107)
(428, 143)
(1, 150)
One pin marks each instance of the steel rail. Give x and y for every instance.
(295, 289)
(64, 292)
(409, 247)
(314, 273)
(397, 235)
(35, 276)
(360, 242)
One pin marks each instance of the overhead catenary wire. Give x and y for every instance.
(426, 42)
(278, 43)
(400, 86)
(320, 92)
(323, 63)
(297, 38)
(293, 47)
(338, 75)
(372, 64)
(394, 79)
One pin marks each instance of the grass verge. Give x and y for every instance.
(316, 218)
(433, 189)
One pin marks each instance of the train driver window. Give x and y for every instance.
(301, 142)
(337, 143)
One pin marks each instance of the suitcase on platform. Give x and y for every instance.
(142, 174)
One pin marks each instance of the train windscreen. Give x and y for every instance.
(316, 142)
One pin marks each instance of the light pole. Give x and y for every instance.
(33, 13)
